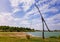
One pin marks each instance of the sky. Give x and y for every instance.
(23, 13)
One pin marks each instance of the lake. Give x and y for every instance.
(46, 34)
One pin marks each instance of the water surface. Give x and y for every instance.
(46, 34)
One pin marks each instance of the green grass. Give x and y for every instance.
(53, 37)
(32, 39)
(14, 39)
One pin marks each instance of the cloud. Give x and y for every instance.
(25, 4)
(44, 9)
(9, 20)
(54, 22)
(29, 10)
(5, 18)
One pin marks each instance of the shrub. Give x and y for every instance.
(28, 36)
(58, 36)
(53, 37)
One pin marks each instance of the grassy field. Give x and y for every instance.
(14, 37)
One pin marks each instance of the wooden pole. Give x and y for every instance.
(43, 29)
(42, 21)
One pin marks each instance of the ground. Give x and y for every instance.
(21, 37)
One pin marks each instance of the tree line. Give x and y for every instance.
(15, 29)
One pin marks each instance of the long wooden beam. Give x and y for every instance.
(43, 21)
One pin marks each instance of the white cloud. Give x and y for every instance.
(54, 18)
(53, 21)
(53, 2)
(43, 9)
(34, 11)
(14, 3)
(16, 10)
(26, 4)
(6, 18)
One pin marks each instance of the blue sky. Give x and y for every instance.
(23, 13)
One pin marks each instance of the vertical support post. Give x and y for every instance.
(43, 21)
(43, 28)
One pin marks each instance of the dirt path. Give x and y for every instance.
(12, 34)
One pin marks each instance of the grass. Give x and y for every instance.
(19, 39)
(34, 39)
(53, 37)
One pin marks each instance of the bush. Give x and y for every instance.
(28, 36)
(53, 37)
(58, 36)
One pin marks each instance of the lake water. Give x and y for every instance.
(46, 34)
